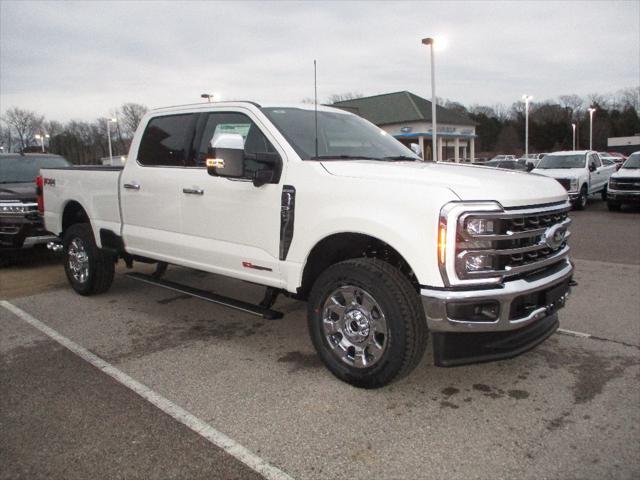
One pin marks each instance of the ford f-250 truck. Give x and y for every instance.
(328, 208)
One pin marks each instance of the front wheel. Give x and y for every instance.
(89, 269)
(581, 202)
(366, 322)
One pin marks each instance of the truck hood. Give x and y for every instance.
(468, 182)
(627, 173)
(18, 191)
(559, 172)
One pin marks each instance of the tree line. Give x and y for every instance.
(501, 129)
(80, 142)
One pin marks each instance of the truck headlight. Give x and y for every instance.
(480, 226)
(573, 184)
(477, 262)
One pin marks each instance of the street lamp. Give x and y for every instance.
(434, 127)
(573, 126)
(208, 96)
(41, 138)
(527, 99)
(109, 122)
(591, 112)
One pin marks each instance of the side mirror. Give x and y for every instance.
(416, 149)
(225, 156)
(592, 167)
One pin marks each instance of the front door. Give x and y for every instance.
(232, 227)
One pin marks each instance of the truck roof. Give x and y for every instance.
(236, 103)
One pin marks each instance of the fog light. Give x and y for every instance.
(480, 226)
(477, 262)
(474, 312)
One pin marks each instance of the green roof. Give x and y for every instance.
(400, 107)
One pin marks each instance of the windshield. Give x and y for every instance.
(25, 169)
(340, 136)
(633, 161)
(563, 161)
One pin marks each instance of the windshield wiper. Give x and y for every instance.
(344, 157)
(399, 158)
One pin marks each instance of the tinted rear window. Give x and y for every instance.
(164, 142)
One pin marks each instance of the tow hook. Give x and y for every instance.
(55, 246)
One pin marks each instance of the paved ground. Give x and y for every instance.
(569, 409)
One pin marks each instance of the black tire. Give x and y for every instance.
(100, 264)
(406, 330)
(581, 202)
(604, 193)
(613, 206)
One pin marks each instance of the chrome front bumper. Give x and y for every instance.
(435, 303)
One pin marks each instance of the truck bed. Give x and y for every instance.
(94, 188)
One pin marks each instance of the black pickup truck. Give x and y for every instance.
(21, 223)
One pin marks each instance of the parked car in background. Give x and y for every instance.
(608, 159)
(21, 224)
(503, 157)
(532, 159)
(581, 173)
(619, 155)
(507, 164)
(624, 185)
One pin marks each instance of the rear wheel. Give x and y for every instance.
(581, 202)
(89, 269)
(613, 206)
(366, 322)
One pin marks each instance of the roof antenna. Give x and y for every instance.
(315, 101)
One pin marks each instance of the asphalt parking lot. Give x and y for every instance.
(568, 409)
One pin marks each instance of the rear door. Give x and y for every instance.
(230, 225)
(150, 188)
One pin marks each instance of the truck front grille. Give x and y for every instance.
(520, 242)
(625, 184)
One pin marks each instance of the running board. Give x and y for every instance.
(208, 296)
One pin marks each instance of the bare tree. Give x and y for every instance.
(25, 124)
(630, 97)
(341, 97)
(129, 116)
(6, 139)
(572, 103)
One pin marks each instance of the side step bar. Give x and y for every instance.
(208, 296)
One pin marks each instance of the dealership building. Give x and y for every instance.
(407, 117)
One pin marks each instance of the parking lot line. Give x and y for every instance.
(573, 333)
(200, 427)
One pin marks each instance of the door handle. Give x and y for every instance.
(131, 186)
(193, 191)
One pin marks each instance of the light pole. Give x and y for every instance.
(434, 128)
(41, 138)
(573, 126)
(109, 122)
(591, 112)
(527, 99)
(208, 96)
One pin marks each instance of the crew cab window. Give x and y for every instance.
(165, 141)
(259, 153)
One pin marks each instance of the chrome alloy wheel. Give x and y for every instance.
(78, 260)
(355, 326)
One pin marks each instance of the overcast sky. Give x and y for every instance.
(81, 59)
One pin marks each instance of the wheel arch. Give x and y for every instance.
(72, 213)
(338, 247)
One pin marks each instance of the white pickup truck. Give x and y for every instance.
(582, 173)
(328, 208)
